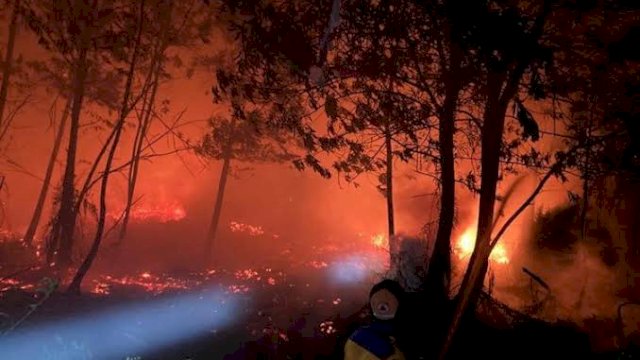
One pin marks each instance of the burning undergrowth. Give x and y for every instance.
(288, 293)
(273, 306)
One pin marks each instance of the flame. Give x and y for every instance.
(155, 284)
(246, 228)
(162, 212)
(379, 241)
(466, 242)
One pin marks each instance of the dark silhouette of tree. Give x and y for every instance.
(175, 26)
(244, 137)
(76, 33)
(104, 39)
(531, 69)
(44, 190)
(370, 100)
(507, 40)
(8, 60)
(127, 105)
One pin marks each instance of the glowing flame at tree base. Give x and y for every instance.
(466, 242)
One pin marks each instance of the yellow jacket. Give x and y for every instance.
(373, 342)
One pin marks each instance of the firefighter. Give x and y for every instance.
(378, 340)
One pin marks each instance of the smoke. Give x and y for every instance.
(580, 284)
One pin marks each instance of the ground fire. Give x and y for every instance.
(303, 179)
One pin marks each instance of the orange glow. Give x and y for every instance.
(11, 283)
(466, 242)
(246, 228)
(163, 213)
(379, 241)
(150, 283)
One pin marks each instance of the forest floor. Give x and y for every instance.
(305, 311)
(223, 314)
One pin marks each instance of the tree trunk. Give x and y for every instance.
(439, 274)
(393, 243)
(37, 212)
(222, 183)
(141, 132)
(585, 202)
(145, 116)
(500, 91)
(491, 137)
(67, 216)
(8, 60)
(74, 287)
(586, 178)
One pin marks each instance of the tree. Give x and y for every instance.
(242, 138)
(448, 59)
(75, 33)
(127, 105)
(372, 95)
(439, 272)
(37, 212)
(8, 59)
(175, 26)
(375, 134)
(505, 62)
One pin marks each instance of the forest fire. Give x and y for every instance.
(198, 179)
(154, 213)
(159, 213)
(466, 241)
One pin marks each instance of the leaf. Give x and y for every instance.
(528, 123)
(299, 164)
(331, 107)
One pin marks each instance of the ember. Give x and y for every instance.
(318, 264)
(238, 289)
(10, 283)
(148, 282)
(327, 327)
(246, 274)
(246, 228)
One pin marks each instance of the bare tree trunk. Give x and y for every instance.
(145, 116)
(141, 132)
(586, 178)
(74, 287)
(439, 274)
(492, 130)
(393, 242)
(222, 183)
(67, 216)
(8, 60)
(37, 212)
(585, 201)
